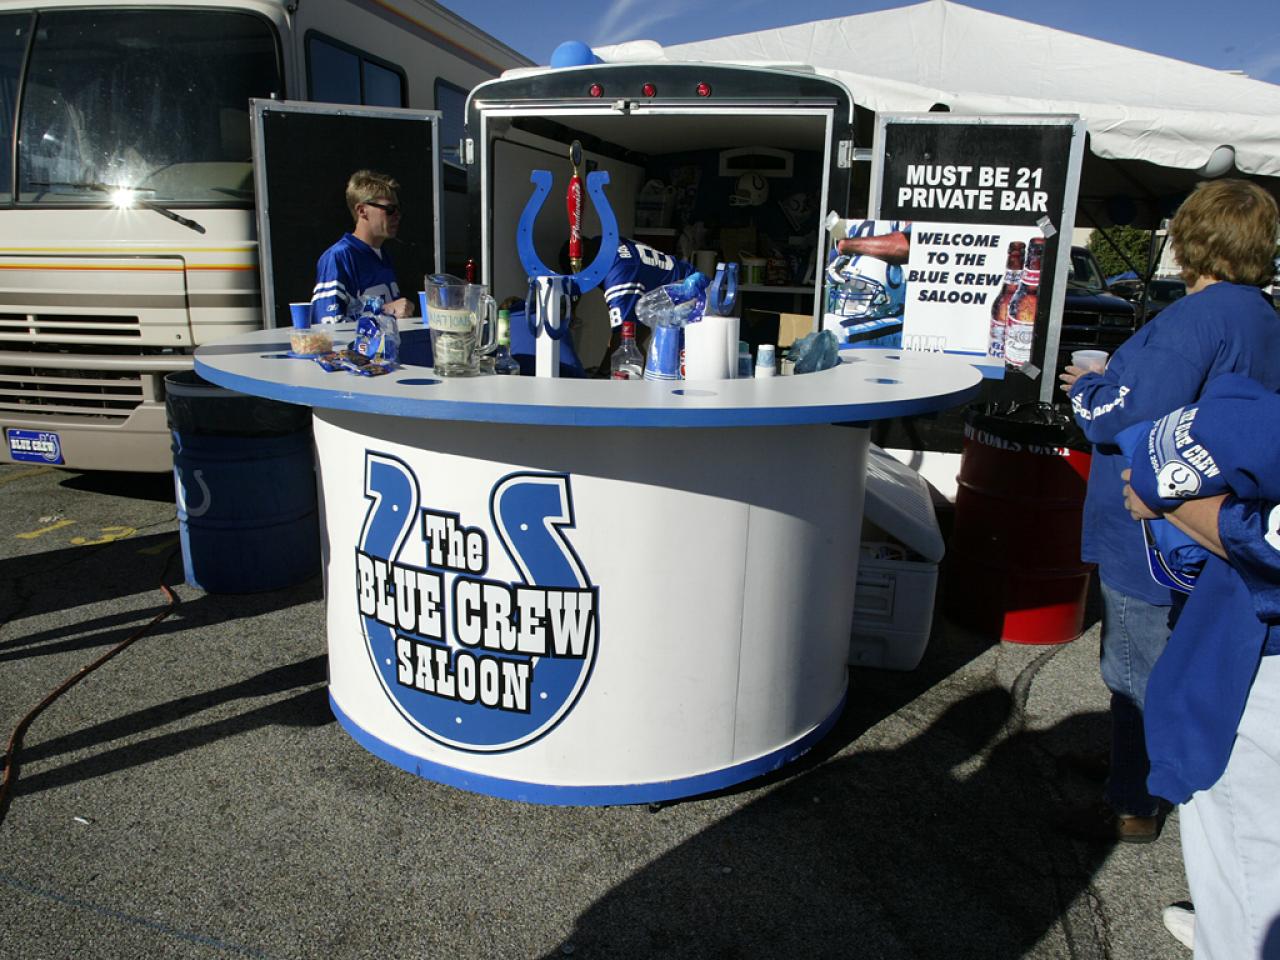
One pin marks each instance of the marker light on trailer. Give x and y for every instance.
(596, 90)
(704, 89)
(649, 90)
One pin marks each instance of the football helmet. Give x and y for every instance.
(751, 190)
(864, 288)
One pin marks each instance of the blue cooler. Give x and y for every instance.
(244, 476)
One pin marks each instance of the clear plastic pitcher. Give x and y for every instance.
(463, 320)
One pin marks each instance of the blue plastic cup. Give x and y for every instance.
(300, 313)
(665, 347)
(422, 306)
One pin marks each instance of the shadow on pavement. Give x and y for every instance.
(71, 577)
(938, 847)
(155, 487)
(308, 708)
(119, 581)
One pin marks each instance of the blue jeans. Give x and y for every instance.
(1134, 633)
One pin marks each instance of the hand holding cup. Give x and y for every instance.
(1089, 361)
(1082, 362)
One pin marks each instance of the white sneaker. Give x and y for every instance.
(1180, 921)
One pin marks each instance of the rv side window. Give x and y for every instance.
(382, 87)
(338, 73)
(451, 101)
(13, 41)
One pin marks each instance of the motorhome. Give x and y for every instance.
(127, 223)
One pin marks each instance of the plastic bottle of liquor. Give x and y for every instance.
(503, 363)
(627, 362)
(1000, 309)
(1022, 308)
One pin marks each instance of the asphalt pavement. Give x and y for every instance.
(193, 797)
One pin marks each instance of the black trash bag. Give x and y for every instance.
(1027, 422)
(194, 405)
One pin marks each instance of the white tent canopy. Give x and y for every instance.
(1136, 106)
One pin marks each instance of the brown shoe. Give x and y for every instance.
(1101, 824)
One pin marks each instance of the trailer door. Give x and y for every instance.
(303, 154)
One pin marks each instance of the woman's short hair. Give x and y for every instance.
(1226, 230)
(368, 185)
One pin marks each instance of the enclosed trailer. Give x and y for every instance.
(708, 161)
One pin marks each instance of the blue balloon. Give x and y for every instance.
(573, 53)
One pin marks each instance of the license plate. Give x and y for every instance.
(34, 446)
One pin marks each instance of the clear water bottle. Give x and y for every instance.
(675, 304)
(503, 363)
(626, 362)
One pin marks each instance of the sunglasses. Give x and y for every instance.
(391, 209)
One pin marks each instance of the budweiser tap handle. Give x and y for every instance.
(573, 200)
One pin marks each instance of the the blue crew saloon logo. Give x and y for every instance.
(473, 662)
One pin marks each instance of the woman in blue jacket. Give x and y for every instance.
(1224, 239)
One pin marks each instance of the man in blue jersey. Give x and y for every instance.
(356, 267)
(1223, 237)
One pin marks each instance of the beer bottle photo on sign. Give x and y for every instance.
(1022, 308)
(1000, 309)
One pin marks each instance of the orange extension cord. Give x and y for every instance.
(20, 731)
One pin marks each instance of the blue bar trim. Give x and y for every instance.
(587, 796)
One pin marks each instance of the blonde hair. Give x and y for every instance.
(366, 186)
(1226, 230)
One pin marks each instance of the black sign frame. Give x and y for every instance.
(964, 169)
(303, 154)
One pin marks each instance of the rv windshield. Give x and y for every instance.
(153, 101)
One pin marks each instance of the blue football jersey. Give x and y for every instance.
(346, 274)
(636, 270)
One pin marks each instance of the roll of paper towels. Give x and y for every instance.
(706, 350)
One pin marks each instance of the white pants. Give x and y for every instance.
(1231, 837)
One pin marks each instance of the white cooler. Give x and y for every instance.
(897, 567)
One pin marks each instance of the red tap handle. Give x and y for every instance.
(573, 202)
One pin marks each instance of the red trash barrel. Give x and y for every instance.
(1013, 564)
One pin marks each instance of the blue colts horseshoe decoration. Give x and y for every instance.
(589, 278)
(475, 663)
(723, 292)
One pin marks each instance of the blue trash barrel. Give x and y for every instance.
(244, 476)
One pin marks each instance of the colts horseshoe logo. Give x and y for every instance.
(476, 663)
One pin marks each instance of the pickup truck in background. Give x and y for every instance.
(1159, 293)
(1092, 316)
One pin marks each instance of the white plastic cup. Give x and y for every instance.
(1092, 361)
(766, 365)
